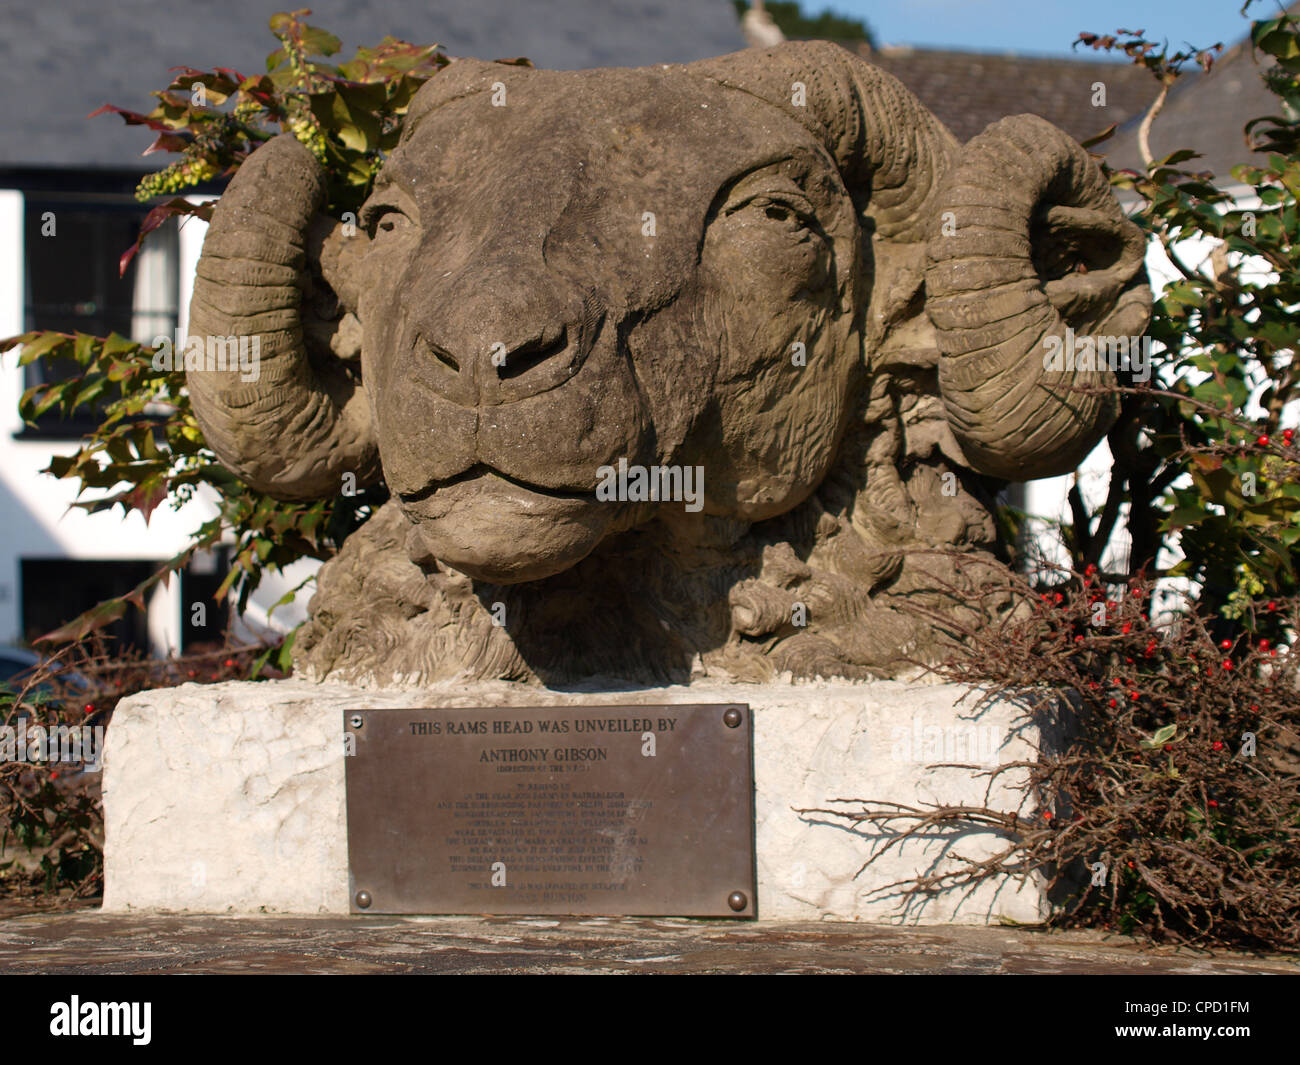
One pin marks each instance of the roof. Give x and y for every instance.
(64, 60)
(968, 90)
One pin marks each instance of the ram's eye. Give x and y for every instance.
(389, 212)
(386, 218)
(779, 212)
(789, 212)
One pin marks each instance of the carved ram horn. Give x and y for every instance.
(1028, 209)
(304, 422)
(889, 149)
(1023, 195)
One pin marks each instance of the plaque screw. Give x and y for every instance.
(736, 900)
(732, 720)
(356, 721)
(363, 900)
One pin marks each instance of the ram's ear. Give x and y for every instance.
(330, 300)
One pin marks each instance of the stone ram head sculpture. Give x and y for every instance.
(771, 280)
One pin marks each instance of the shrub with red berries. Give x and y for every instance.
(1181, 777)
(1183, 761)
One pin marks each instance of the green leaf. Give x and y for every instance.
(284, 658)
(1160, 737)
(43, 344)
(320, 42)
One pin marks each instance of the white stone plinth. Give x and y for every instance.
(229, 798)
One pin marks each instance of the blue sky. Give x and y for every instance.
(1046, 27)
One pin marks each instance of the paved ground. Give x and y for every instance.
(88, 942)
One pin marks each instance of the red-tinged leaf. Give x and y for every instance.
(155, 218)
(148, 496)
(1097, 138)
(42, 344)
(222, 80)
(96, 617)
(51, 396)
(120, 371)
(131, 118)
(260, 87)
(116, 344)
(19, 340)
(168, 142)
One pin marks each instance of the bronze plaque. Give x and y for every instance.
(629, 810)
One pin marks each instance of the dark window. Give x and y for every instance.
(56, 590)
(199, 583)
(73, 247)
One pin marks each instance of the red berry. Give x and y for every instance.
(89, 708)
(1078, 639)
(1287, 434)
(1226, 645)
(1263, 645)
(1134, 695)
(1126, 628)
(230, 661)
(1227, 664)
(1262, 441)
(1047, 815)
(1169, 746)
(1212, 803)
(1091, 569)
(54, 774)
(1114, 703)
(1217, 745)
(1272, 605)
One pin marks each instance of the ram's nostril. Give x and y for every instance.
(531, 355)
(427, 351)
(444, 357)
